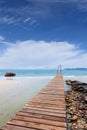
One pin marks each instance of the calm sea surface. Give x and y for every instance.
(25, 73)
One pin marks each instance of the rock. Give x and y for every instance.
(72, 110)
(74, 118)
(75, 82)
(85, 127)
(85, 111)
(68, 82)
(80, 88)
(81, 106)
(80, 126)
(85, 98)
(85, 106)
(76, 103)
(85, 91)
(68, 105)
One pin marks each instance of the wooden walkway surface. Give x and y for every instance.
(47, 111)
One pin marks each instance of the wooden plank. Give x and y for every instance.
(53, 89)
(52, 93)
(42, 121)
(50, 96)
(15, 127)
(50, 89)
(43, 112)
(49, 101)
(45, 109)
(41, 116)
(49, 104)
(46, 100)
(58, 92)
(48, 107)
(35, 125)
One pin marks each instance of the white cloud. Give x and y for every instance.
(18, 20)
(30, 21)
(57, 1)
(7, 19)
(81, 4)
(2, 38)
(41, 54)
(27, 20)
(8, 44)
(39, 9)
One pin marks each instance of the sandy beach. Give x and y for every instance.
(15, 93)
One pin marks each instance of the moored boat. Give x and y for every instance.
(9, 74)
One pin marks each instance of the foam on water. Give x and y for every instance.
(79, 78)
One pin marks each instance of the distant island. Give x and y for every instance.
(75, 69)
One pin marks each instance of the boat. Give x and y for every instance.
(10, 74)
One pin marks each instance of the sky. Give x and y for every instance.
(41, 34)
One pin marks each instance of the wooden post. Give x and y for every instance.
(60, 68)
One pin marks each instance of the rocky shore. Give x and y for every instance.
(76, 102)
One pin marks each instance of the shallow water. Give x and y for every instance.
(15, 93)
(78, 78)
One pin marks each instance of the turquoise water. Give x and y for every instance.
(25, 73)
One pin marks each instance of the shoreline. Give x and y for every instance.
(43, 76)
(76, 104)
(25, 77)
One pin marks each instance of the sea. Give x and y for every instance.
(39, 72)
(72, 74)
(17, 91)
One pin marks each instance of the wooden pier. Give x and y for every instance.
(47, 111)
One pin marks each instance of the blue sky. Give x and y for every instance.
(43, 33)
